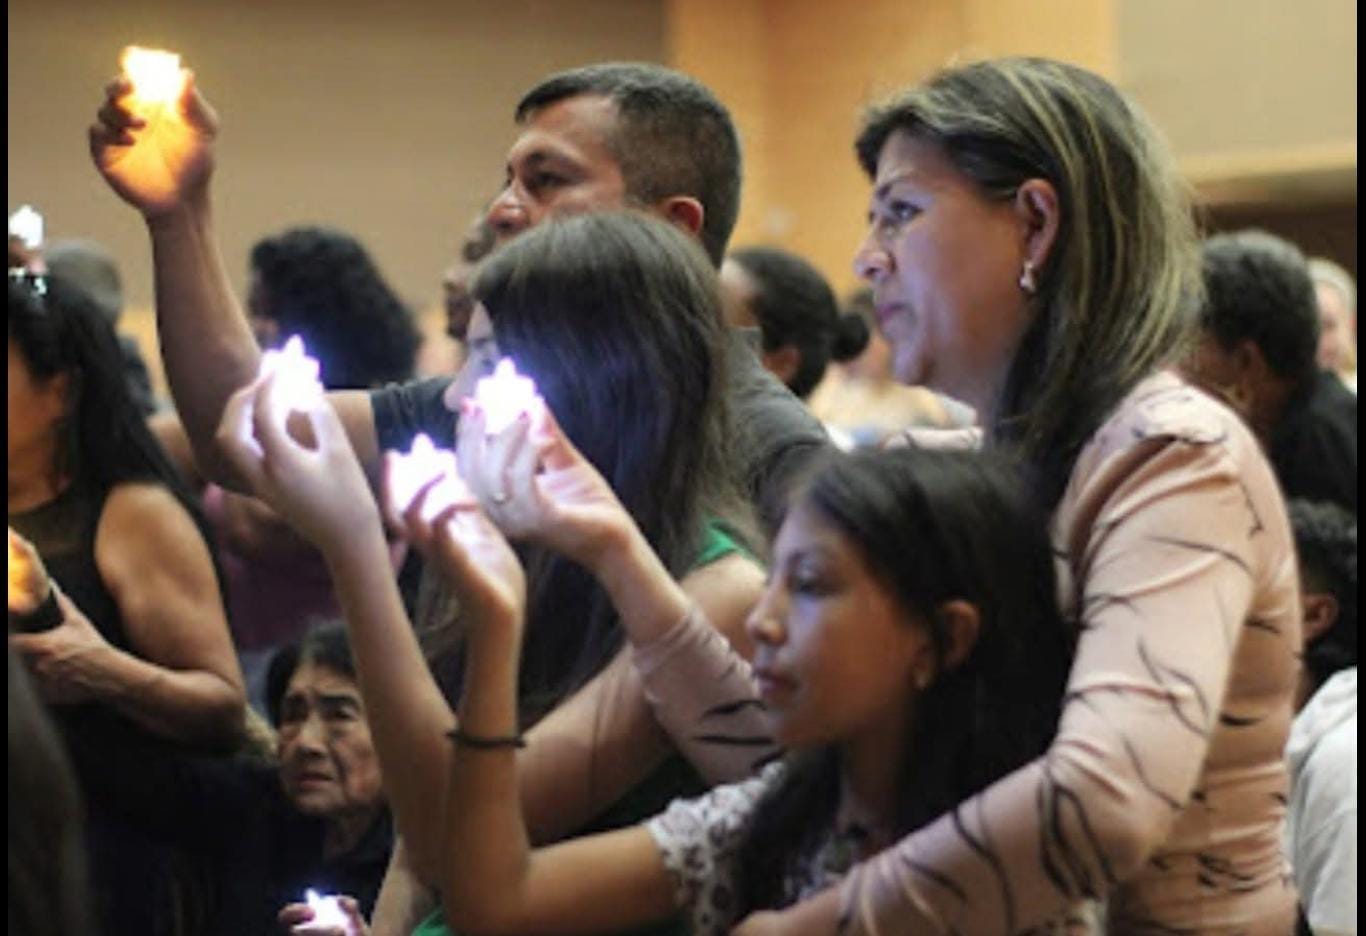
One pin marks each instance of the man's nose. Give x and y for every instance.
(507, 215)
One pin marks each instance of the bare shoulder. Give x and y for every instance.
(726, 590)
(143, 521)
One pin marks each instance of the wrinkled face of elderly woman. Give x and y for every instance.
(945, 262)
(328, 764)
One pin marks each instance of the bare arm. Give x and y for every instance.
(161, 162)
(496, 883)
(181, 678)
(403, 900)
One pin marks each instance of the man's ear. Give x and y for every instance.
(684, 211)
(783, 362)
(962, 624)
(1320, 613)
(1036, 205)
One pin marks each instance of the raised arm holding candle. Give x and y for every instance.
(210, 355)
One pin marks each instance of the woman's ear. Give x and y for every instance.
(1036, 204)
(962, 624)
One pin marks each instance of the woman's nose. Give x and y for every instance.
(872, 261)
(765, 621)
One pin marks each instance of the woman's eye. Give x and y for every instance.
(808, 584)
(901, 212)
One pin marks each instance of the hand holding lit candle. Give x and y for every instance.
(327, 911)
(26, 225)
(297, 386)
(505, 395)
(408, 472)
(156, 76)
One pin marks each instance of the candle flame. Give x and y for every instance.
(327, 911)
(296, 375)
(27, 225)
(19, 573)
(156, 75)
(504, 395)
(419, 465)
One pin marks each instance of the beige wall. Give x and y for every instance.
(392, 121)
(799, 72)
(388, 120)
(1258, 97)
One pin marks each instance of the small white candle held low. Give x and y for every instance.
(327, 911)
(504, 395)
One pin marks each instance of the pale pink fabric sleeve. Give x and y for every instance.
(703, 694)
(1164, 787)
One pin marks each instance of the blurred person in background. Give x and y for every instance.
(1258, 345)
(1321, 826)
(863, 404)
(792, 306)
(1337, 295)
(91, 267)
(322, 285)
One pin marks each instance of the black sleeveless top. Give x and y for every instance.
(140, 882)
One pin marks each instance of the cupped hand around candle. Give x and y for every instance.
(156, 161)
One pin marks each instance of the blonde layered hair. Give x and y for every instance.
(1117, 295)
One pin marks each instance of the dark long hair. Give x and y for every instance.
(617, 317)
(934, 527)
(322, 284)
(104, 442)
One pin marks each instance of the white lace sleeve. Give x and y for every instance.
(700, 842)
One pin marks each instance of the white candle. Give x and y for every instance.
(156, 75)
(420, 464)
(327, 911)
(504, 395)
(296, 375)
(27, 225)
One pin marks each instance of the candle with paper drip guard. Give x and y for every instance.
(504, 395)
(327, 911)
(297, 386)
(409, 471)
(156, 75)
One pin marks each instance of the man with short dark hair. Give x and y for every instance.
(599, 137)
(1260, 334)
(596, 138)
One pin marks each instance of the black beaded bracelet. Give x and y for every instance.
(45, 617)
(485, 743)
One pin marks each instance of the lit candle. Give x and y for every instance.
(156, 75)
(27, 225)
(18, 574)
(327, 911)
(296, 375)
(504, 395)
(419, 465)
